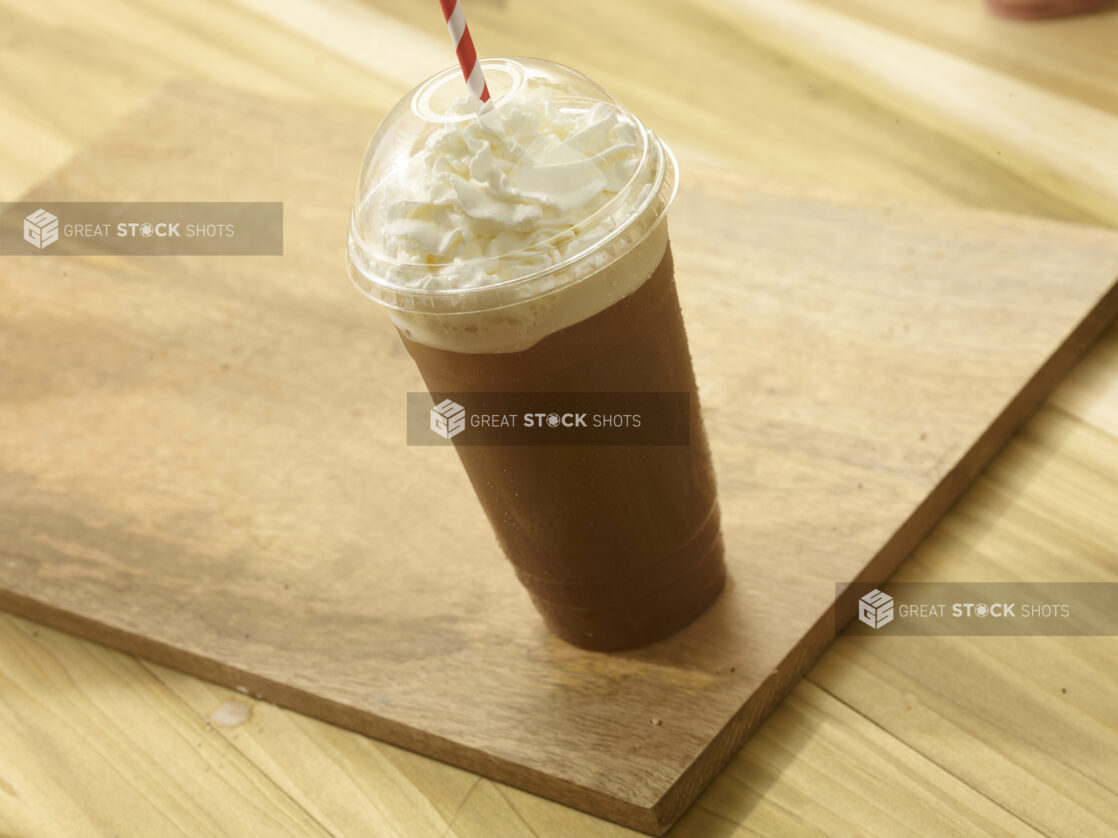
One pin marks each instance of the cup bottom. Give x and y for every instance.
(652, 617)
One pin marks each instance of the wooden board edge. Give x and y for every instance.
(720, 750)
(592, 801)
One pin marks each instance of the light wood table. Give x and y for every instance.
(932, 101)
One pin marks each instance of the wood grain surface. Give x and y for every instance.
(250, 514)
(961, 736)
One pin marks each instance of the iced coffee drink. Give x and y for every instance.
(523, 248)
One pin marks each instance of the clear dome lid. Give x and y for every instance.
(487, 250)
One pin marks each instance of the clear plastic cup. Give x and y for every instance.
(618, 546)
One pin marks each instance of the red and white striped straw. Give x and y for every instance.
(464, 46)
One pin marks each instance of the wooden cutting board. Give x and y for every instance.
(202, 459)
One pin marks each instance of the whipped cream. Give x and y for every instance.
(487, 229)
(526, 179)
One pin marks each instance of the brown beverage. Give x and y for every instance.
(618, 545)
(526, 251)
